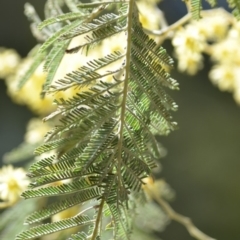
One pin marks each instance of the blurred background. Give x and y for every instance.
(202, 163)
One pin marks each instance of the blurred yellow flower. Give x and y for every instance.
(29, 94)
(224, 76)
(12, 183)
(227, 78)
(36, 130)
(188, 39)
(9, 60)
(188, 46)
(149, 15)
(226, 54)
(234, 32)
(226, 51)
(190, 62)
(213, 26)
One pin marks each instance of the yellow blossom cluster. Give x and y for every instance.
(194, 39)
(36, 130)
(189, 45)
(9, 60)
(29, 94)
(226, 54)
(149, 14)
(217, 34)
(12, 183)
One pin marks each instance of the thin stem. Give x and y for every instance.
(98, 220)
(185, 221)
(170, 28)
(85, 210)
(125, 87)
(188, 5)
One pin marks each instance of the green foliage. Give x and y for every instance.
(105, 140)
(80, 197)
(49, 228)
(53, 61)
(235, 4)
(195, 7)
(37, 60)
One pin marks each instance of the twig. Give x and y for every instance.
(84, 210)
(98, 220)
(185, 221)
(170, 28)
(188, 5)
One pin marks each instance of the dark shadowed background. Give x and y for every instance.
(202, 163)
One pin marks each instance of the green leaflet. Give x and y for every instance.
(56, 35)
(122, 228)
(37, 60)
(61, 18)
(57, 190)
(52, 63)
(64, 163)
(59, 206)
(49, 228)
(87, 75)
(104, 141)
(98, 25)
(235, 5)
(195, 7)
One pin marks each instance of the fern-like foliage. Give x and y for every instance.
(196, 6)
(105, 140)
(235, 4)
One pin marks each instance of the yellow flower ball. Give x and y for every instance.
(12, 183)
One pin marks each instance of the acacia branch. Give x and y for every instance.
(98, 220)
